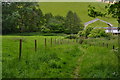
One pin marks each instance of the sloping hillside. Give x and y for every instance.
(81, 8)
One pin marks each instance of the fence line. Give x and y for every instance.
(63, 41)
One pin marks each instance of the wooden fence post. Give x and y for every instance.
(76, 40)
(55, 40)
(113, 47)
(68, 41)
(51, 42)
(103, 44)
(45, 43)
(35, 45)
(90, 44)
(107, 45)
(20, 49)
(60, 41)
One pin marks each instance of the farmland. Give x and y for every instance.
(63, 59)
(49, 41)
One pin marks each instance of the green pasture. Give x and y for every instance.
(63, 59)
(81, 8)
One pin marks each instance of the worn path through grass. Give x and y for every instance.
(77, 69)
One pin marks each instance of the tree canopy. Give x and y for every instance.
(72, 23)
(21, 17)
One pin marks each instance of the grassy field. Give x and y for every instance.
(81, 8)
(64, 59)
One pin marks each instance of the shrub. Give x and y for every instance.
(81, 41)
(85, 32)
(97, 33)
(73, 36)
(80, 33)
(44, 29)
(109, 36)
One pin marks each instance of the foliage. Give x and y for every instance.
(47, 17)
(72, 23)
(72, 36)
(92, 12)
(28, 17)
(22, 16)
(80, 33)
(97, 33)
(114, 9)
(45, 29)
(85, 32)
(56, 24)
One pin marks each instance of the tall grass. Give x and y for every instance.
(99, 62)
(49, 62)
(59, 60)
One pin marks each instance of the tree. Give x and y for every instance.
(92, 12)
(47, 17)
(72, 23)
(21, 16)
(56, 24)
(8, 17)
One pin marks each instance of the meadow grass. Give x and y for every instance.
(103, 63)
(49, 62)
(59, 60)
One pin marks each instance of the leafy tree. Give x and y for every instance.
(56, 24)
(92, 12)
(21, 16)
(114, 9)
(47, 17)
(72, 23)
(8, 17)
(45, 29)
(77, 23)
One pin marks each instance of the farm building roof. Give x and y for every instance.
(108, 28)
(92, 21)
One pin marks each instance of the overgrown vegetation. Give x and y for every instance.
(59, 60)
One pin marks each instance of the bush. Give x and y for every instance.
(85, 32)
(109, 36)
(80, 33)
(81, 41)
(73, 36)
(98, 33)
(44, 29)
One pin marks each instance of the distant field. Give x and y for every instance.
(81, 8)
(64, 59)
